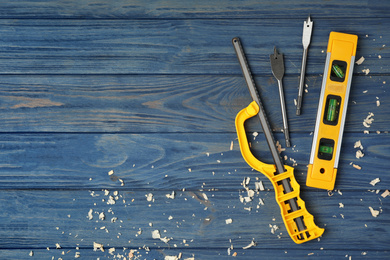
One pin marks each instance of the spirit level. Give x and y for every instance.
(332, 109)
(299, 222)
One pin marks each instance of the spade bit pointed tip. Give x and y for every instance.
(307, 29)
(275, 53)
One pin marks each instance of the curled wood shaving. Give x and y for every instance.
(98, 246)
(375, 181)
(170, 196)
(359, 154)
(368, 120)
(374, 212)
(252, 243)
(358, 144)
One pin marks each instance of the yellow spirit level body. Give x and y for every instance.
(332, 110)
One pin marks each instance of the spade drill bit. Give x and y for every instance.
(277, 66)
(307, 28)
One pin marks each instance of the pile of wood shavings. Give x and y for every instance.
(368, 120)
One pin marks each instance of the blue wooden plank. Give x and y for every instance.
(176, 46)
(191, 254)
(153, 104)
(163, 9)
(162, 81)
(40, 219)
(169, 161)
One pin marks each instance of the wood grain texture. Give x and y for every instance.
(170, 161)
(150, 90)
(190, 254)
(162, 9)
(177, 46)
(189, 220)
(155, 104)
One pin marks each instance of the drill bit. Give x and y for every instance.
(307, 28)
(277, 66)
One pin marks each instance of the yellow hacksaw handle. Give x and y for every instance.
(312, 231)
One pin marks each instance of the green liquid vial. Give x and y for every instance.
(338, 71)
(331, 115)
(326, 149)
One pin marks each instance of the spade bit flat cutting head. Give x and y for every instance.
(277, 66)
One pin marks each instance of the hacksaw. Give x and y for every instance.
(298, 221)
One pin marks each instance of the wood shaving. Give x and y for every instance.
(231, 145)
(228, 221)
(358, 144)
(251, 193)
(375, 181)
(111, 200)
(247, 199)
(111, 172)
(111, 251)
(259, 186)
(374, 212)
(102, 216)
(359, 154)
(165, 240)
(368, 120)
(149, 197)
(171, 257)
(252, 243)
(58, 246)
(156, 234)
(273, 228)
(360, 61)
(245, 182)
(97, 246)
(366, 71)
(90, 216)
(205, 196)
(170, 196)
(341, 205)
(385, 194)
(356, 166)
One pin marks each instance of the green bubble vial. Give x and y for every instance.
(331, 115)
(338, 71)
(326, 149)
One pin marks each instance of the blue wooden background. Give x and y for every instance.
(150, 90)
